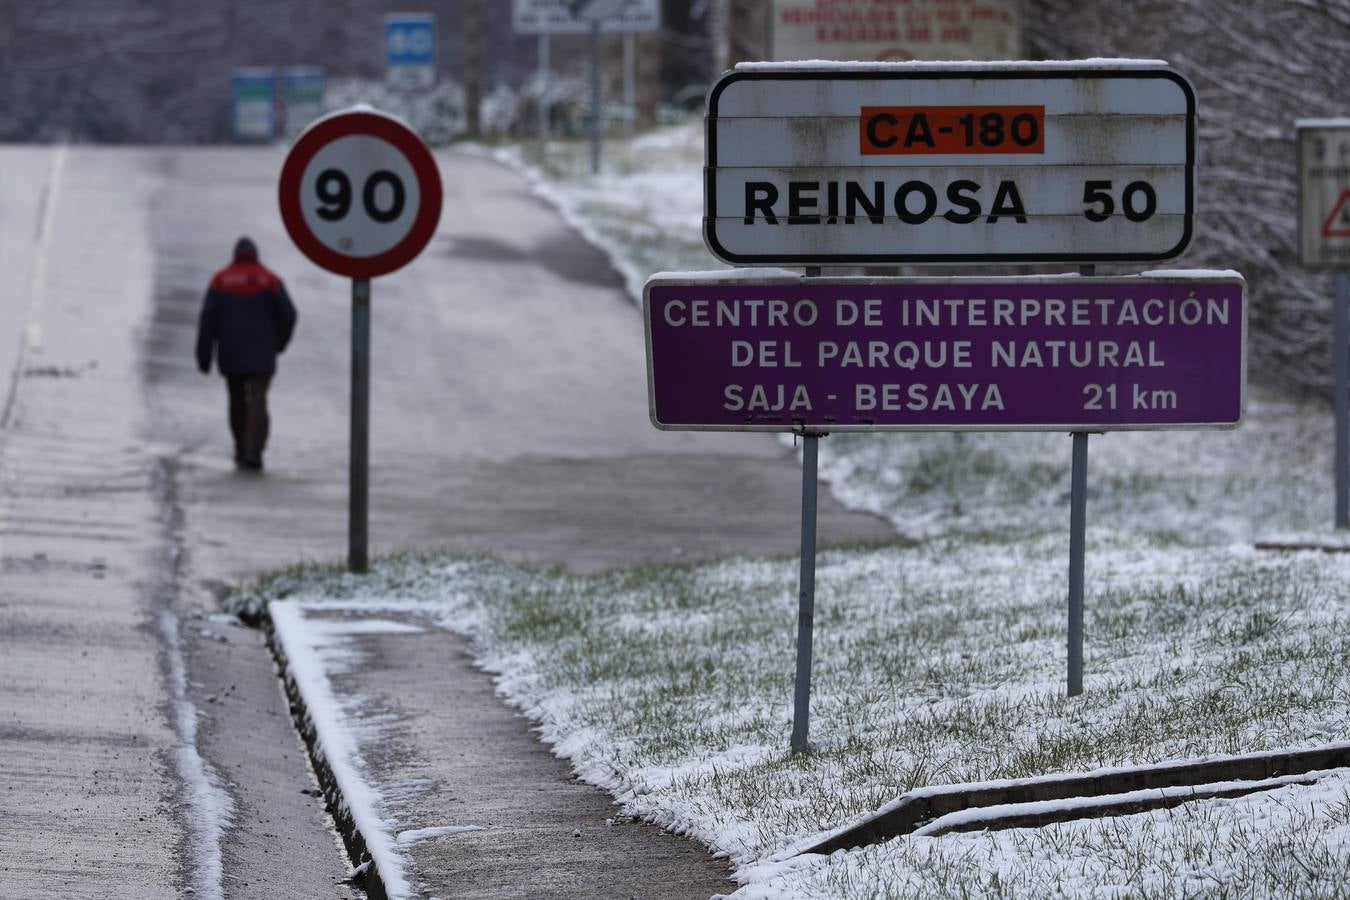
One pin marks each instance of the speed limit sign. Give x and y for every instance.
(360, 196)
(360, 193)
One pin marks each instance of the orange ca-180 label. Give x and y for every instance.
(898, 130)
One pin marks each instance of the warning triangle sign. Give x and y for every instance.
(1338, 223)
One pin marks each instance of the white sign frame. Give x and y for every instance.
(802, 111)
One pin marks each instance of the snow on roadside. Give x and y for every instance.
(644, 211)
(671, 688)
(314, 650)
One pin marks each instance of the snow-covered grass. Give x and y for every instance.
(939, 660)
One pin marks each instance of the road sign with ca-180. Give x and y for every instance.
(890, 163)
(360, 193)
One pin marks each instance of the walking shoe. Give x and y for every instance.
(251, 465)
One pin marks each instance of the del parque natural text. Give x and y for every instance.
(912, 354)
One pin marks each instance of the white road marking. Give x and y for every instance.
(37, 283)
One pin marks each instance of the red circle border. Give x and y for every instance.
(387, 128)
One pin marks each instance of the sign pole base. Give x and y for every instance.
(806, 596)
(357, 510)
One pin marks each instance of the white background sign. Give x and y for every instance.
(569, 17)
(363, 195)
(1324, 193)
(896, 29)
(931, 163)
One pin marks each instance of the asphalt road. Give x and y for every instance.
(509, 417)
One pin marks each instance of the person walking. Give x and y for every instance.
(247, 319)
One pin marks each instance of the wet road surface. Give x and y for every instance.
(509, 417)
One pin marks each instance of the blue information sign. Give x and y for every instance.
(410, 46)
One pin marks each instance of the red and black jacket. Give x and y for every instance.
(247, 319)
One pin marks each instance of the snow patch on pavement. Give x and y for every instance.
(413, 835)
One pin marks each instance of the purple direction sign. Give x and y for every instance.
(731, 351)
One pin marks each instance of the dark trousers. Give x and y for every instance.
(248, 414)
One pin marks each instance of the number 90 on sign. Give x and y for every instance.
(359, 195)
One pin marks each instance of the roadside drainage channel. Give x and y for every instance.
(365, 874)
(1106, 792)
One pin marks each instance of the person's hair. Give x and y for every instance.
(245, 249)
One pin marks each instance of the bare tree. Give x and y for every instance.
(1256, 68)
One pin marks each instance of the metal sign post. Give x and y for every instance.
(596, 12)
(359, 470)
(1077, 547)
(806, 595)
(595, 97)
(630, 80)
(1341, 363)
(1077, 554)
(1324, 243)
(806, 584)
(543, 104)
(360, 195)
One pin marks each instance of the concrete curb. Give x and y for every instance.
(370, 881)
(912, 811)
